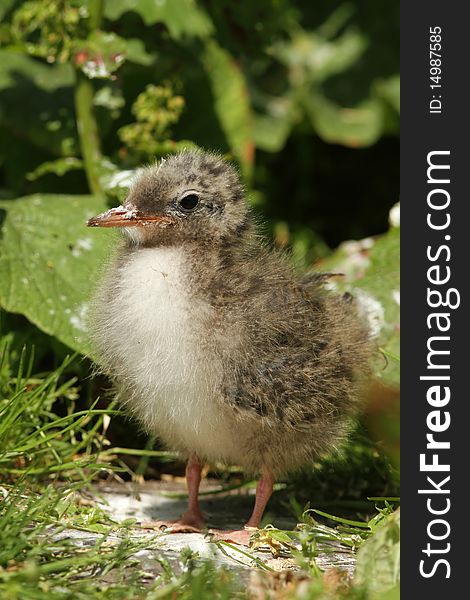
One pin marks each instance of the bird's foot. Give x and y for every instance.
(238, 536)
(189, 522)
(174, 526)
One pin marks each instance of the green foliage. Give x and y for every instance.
(231, 104)
(371, 274)
(36, 28)
(250, 75)
(184, 18)
(156, 109)
(49, 262)
(59, 167)
(28, 137)
(35, 441)
(209, 87)
(311, 59)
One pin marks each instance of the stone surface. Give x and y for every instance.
(160, 501)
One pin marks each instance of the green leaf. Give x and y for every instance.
(279, 535)
(49, 262)
(272, 124)
(183, 18)
(270, 134)
(231, 102)
(378, 561)
(371, 269)
(15, 66)
(389, 89)
(345, 103)
(311, 56)
(381, 282)
(137, 54)
(353, 126)
(59, 167)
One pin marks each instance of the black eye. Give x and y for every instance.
(190, 201)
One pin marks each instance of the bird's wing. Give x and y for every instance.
(308, 368)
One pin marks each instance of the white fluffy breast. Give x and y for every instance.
(151, 328)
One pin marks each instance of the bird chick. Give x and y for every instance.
(212, 340)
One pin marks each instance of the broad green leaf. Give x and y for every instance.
(231, 102)
(381, 284)
(49, 262)
(371, 274)
(354, 126)
(378, 561)
(183, 18)
(344, 104)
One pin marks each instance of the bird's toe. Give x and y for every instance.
(189, 522)
(238, 536)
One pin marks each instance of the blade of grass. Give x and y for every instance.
(339, 519)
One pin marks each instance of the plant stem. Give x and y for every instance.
(88, 131)
(95, 8)
(86, 121)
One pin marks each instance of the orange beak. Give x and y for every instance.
(127, 217)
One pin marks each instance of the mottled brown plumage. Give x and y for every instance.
(211, 338)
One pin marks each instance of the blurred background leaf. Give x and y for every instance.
(182, 18)
(370, 272)
(378, 562)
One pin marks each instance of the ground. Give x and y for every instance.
(155, 501)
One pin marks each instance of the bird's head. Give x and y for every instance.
(192, 195)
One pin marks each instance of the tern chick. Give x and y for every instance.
(213, 341)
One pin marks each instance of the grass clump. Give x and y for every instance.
(48, 452)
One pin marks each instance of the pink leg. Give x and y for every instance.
(192, 520)
(193, 515)
(264, 490)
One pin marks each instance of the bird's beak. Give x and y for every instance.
(122, 216)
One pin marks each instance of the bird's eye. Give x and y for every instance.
(189, 201)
